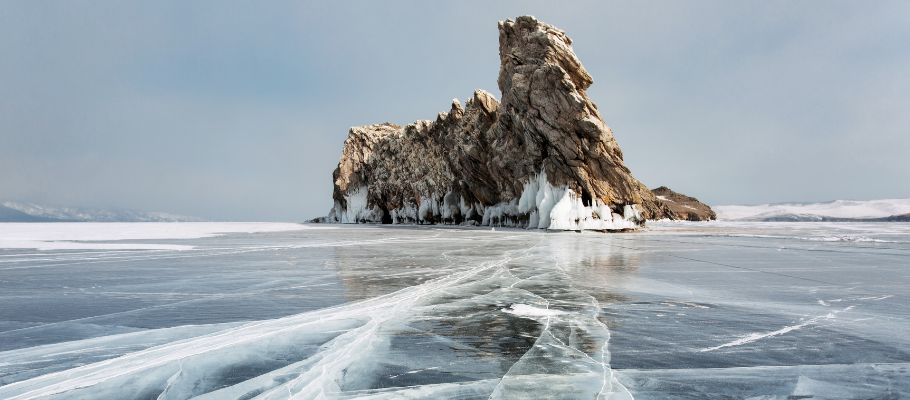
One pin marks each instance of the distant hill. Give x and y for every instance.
(887, 210)
(12, 215)
(14, 211)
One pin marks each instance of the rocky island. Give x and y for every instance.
(680, 206)
(542, 157)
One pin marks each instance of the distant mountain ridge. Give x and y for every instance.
(13, 215)
(14, 211)
(885, 210)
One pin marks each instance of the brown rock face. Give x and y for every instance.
(542, 157)
(682, 206)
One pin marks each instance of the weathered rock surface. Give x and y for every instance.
(683, 207)
(542, 157)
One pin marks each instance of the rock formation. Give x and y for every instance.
(683, 207)
(541, 158)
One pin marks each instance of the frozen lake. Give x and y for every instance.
(276, 311)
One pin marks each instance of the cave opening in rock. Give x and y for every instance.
(386, 216)
(586, 199)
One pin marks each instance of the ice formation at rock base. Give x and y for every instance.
(541, 206)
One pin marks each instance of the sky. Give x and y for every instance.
(237, 110)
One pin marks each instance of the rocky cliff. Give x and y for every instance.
(542, 157)
(683, 207)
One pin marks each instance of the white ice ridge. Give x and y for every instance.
(525, 310)
(328, 351)
(836, 209)
(753, 337)
(90, 235)
(541, 205)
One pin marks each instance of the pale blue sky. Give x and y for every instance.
(238, 110)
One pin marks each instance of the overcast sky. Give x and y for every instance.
(238, 110)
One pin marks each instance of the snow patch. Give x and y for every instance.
(525, 310)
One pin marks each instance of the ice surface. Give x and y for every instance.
(837, 209)
(89, 235)
(680, 311)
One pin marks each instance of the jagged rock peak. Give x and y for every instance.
(542, 157)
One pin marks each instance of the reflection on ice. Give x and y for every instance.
(450, 314)
(683, 312)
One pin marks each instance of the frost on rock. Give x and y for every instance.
(541, 158)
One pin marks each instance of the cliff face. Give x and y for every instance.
(541, 158)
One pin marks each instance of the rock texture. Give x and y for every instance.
(683, 207)
(542, 157)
